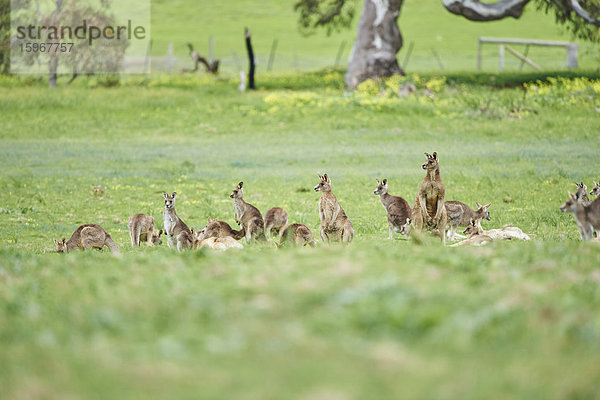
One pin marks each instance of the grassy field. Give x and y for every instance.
(424, 22)
(379, 319)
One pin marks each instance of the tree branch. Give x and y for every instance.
(478, 11)
(583, 13)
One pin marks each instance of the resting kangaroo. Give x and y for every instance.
(275, 218)
(89, 236)
(141, 227)
(334, 222)
(219, 229)
(587, 217)
(460, 214)
(247, 216)
(298, 235)
(178, 234)
(476, 235)
(429, 206)
(396, 207)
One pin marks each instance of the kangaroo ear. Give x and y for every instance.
(487, 206)
(55, 242)
(240, 185)
(385, 181)
(472, 221)
(478, 205)
(174, 194)
(427, 155)
(378, 181)
(326, 178)
(435, 155)
(64, 240)
(408, 220)
(165, 195)
(209, 220)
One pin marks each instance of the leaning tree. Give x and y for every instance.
(379, 40)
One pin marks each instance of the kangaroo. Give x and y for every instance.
(582, 194)
(88, 236)
(217, 243)
(334, 222)
(216, 228)
(275, 218)
(141, 227)
(178, 234)
(595, 190)
(476, 235)
(429, 206)
(406, 227)
(459, 214)
(396, 207)
(298, 235)
(587, 217)
(247, 216)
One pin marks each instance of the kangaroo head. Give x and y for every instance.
(61, 245)
(156, 237)
(324, 184)
(596, 189)
(169, 200)
(405, 229)
(483, 210)
(571, 204)
(381, 187)
(200, 234)
(472, 227)
(581, 190)
(432, 162)
(237, 193)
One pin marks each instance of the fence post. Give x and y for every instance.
(170, 57)
(272, 55)
(479, 53)
(211, 49)
(572, 49)
(339, 53)
(501, 57)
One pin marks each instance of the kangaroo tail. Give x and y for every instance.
(112, 245)
(237, 235)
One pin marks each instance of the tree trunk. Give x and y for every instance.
(378, 40)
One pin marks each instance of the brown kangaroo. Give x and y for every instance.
(460, 214)
(247, 216)
(476, 236)
(178, 234)
(88, 236)
(275, 219)
(587, 217)
(582, 194)
(141, 228)
(298, 235)
(397, 209)
(219, 229)
(429, 206)
(595, 190)
(335, 224)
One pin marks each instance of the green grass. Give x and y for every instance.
(426, 23)
(379, 319)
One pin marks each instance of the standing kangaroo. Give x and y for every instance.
(460, 214)
(141, 227)
(587, 217)
(247, 216)
(429, 206)
(89, 236)
(582, 194)
(397, 209)
(334, 222)
(178, 234)
(275, 218)
(298, 235)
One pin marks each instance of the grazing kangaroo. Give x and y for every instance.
(582, 194)
(587, 217)
(595, 190)
(275, 218)
(218, 229)
(460, 214)
(141, 228)
(397, 209)
(178, 234)
(334, 222)
(247, 216)
(89, 236)
(476, 237)
(298, 235)
(429, 206)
